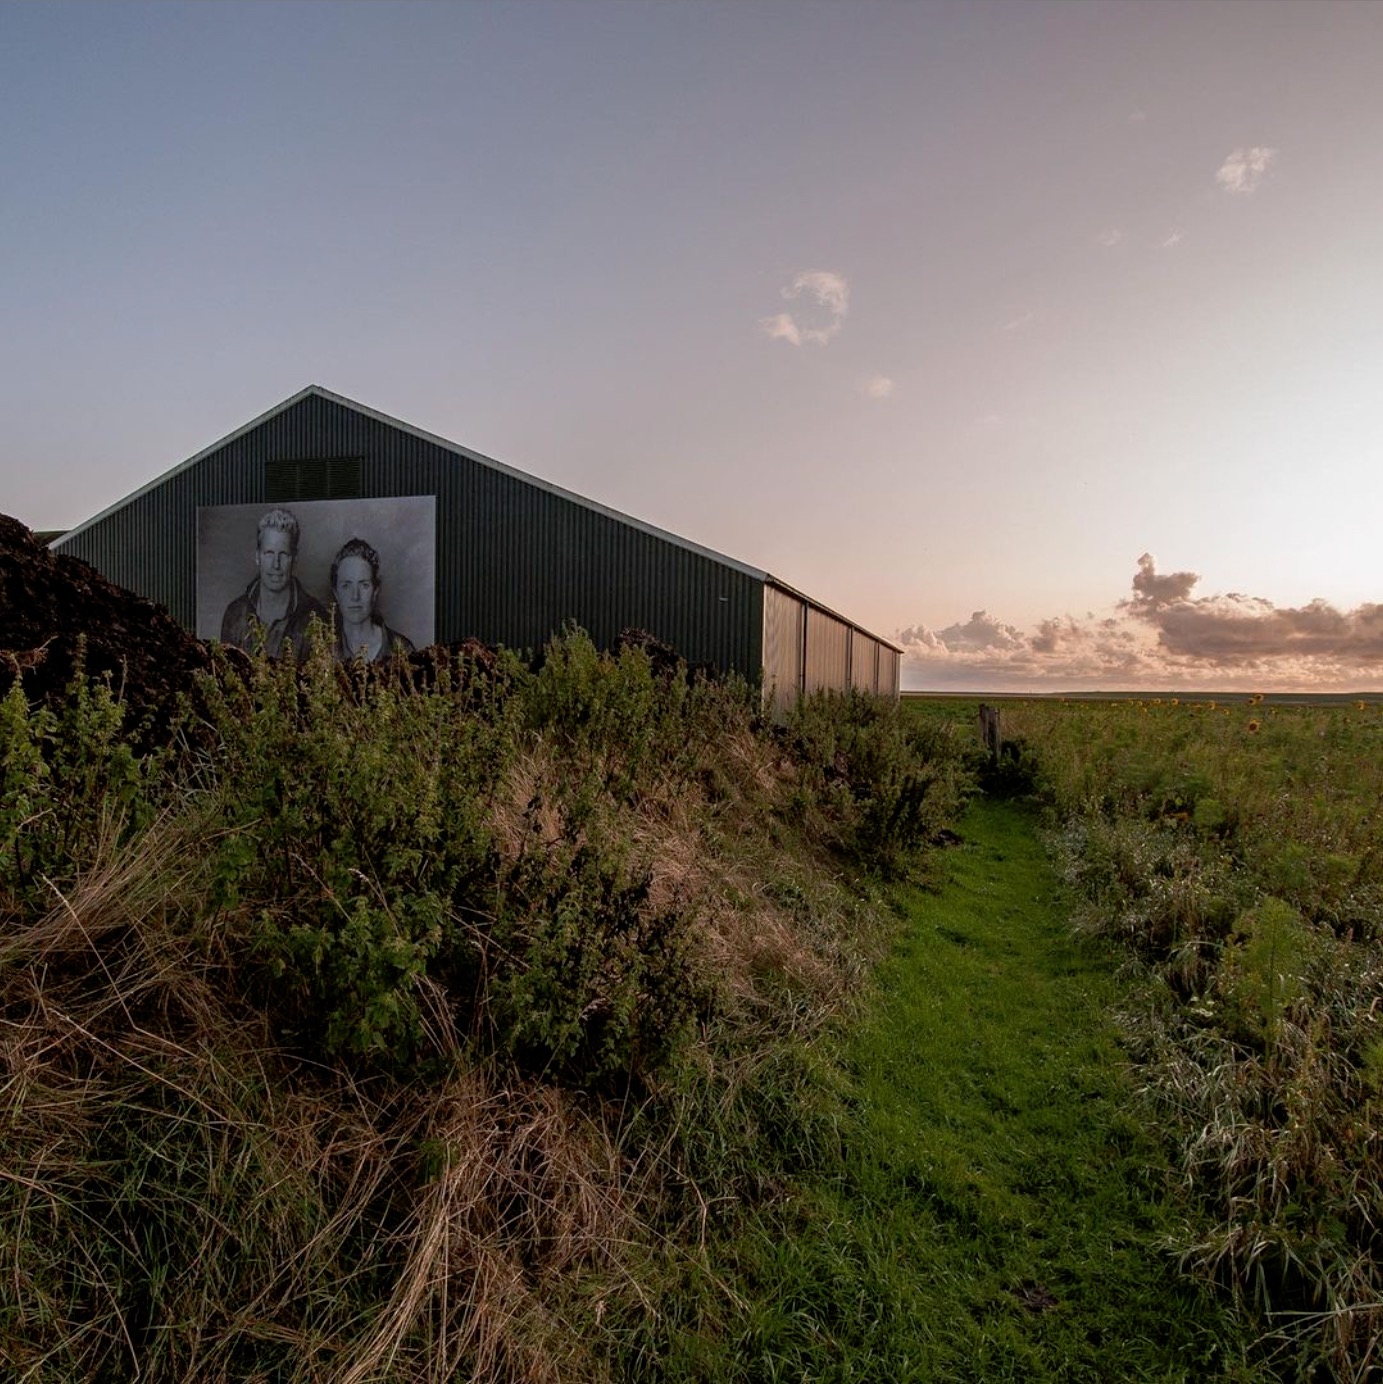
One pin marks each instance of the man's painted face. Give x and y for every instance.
(355, 590)
(275, 560)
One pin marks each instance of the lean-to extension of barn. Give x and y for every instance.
(464, 547)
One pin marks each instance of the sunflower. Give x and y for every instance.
(1253, 726)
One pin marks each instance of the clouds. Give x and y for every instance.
(1240, 174)
(981, 631)
(1238, 631)
(1244, 169)
(782, 328)
(1152, 590)
(1063, 652)
(1162, 635)
(823, 299)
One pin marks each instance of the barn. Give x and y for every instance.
(466, 547)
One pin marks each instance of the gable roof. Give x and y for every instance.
(478, 457)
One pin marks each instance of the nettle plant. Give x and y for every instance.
(71, 787)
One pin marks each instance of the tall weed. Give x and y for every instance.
(1232, 850)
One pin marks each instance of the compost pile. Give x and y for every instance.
(51, 605)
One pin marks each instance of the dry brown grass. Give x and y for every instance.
(178, 1200)
(528, 1190)
(766, 925)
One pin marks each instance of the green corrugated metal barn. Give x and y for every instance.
(509, 557)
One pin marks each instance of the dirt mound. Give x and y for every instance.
(49, 602)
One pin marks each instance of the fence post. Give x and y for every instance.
(990, 735)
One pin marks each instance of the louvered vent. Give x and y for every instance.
(313, 478)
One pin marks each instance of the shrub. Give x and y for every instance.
(353, 836)
(71, 786)
(590, 984)
(1262, 970)
(357, 823)
(490, 906)
(876, 785)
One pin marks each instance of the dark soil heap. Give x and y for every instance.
(50, 603)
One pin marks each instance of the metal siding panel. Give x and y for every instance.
(782, 646)
(827, 649)
(888, 672)
(863, 655)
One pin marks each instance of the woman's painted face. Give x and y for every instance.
(355, 590)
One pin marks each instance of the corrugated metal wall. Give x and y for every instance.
(810, 647)
(828, 642)
(888, 671)
(864, 660)
(514, 560)
(784, 630)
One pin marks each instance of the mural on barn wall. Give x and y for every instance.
(366, 568)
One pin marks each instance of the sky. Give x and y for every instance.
(1044, 339)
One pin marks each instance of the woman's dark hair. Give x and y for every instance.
(356, 547)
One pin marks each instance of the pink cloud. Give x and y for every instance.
(1162, 635)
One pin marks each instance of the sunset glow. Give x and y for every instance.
(1044, 339)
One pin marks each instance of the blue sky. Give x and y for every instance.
(949, 314)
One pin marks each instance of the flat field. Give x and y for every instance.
(1232, 849)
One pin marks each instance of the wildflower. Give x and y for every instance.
(1253, 726)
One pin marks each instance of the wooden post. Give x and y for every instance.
(990, 734)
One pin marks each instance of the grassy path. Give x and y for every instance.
(996, 1212)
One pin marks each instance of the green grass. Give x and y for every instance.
(996, 1212)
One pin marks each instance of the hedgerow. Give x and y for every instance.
(400, 1022)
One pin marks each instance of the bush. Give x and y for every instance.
(595, 985)
(71, 787)
(877, 786)
(351, 819)
(357, 816)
